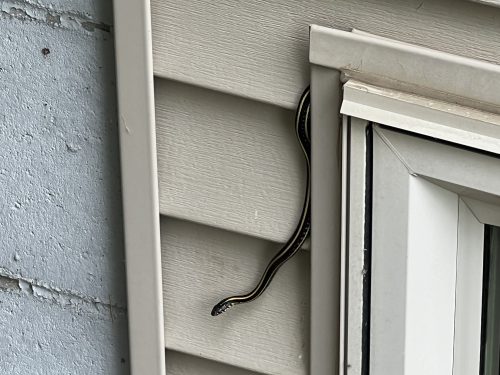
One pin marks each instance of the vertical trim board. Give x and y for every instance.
(325, 220)
(139, 184)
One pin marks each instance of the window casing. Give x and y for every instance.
(415, 252)
(412, 89)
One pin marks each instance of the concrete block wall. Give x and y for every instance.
(62, 272)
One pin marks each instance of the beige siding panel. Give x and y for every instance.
(259, 49)
(228, 162)
(202, 265)
(185, 364)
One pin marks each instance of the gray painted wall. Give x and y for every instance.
(62, 278)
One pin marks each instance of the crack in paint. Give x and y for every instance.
(63, 297)
(26, 11)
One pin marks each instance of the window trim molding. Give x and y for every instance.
(397, 65)
(429, 117)
(136, 116)
(417, 157)
(388, 64)
(414, 164)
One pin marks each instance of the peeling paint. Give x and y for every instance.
(62, 279)
(8, 283)
(26, 11)
(24, 286)
(92, 26)
(42, 338)
(17, 283)
(18, 13)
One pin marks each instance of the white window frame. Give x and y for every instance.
(419, 188)
(136, 116)
(336, 57)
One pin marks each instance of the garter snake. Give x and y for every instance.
(302, 128)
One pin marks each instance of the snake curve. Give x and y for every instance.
(291, 247)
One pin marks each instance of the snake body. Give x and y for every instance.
(302, 127)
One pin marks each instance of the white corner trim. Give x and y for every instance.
(134, 65)
(399, 65)
(434, 118)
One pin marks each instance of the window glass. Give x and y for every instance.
(490, 353)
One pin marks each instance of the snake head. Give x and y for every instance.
(221, 307)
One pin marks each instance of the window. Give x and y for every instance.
(419, 265)
(420, 200)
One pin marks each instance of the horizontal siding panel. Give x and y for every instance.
(185, 364)
(228, 162)
(202, 265)
(259, 49)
